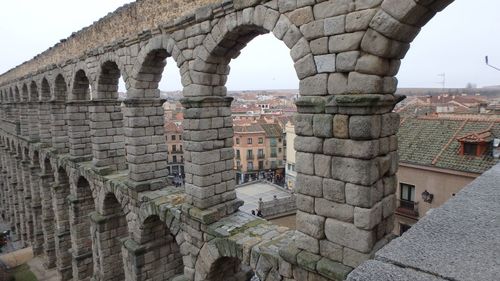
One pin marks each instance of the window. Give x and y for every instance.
(279, 150)
(173, 137)
(470, 149)
(249, 154)
(279, 140)
(174, 148)
(180, 147)
(249, 141)
(261, 140)
(180, 137)
(273, 142)
(238, 156)
(174, 158)
(407, 192)
(260, 153)
(250, 166)
(238, 164)
(237, 141)
(280, 163)
(273, 164)
(261, 165)
(273, 152)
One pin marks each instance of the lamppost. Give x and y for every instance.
(487, 63)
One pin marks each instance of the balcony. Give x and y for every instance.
(407, 208)
(177, 151)
(261, 156)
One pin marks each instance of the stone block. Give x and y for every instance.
(359, 20)
(365, 127)
(362, 196)
(309, 185)
(305, 163)
(368, 218)
(345, 42)
(308, 144)
(346, 61)
(334, 190)
(310, 224)
(322, 165)
(304, 124)
(313, 30)
(322, 125)
(351, 148)
(355, 170)
(388, 205)
(307, 260)
(301, 16)
(306, 242)
(305, 67)
(348, 235)
(331, 250)
(319, 46)
(337, 84)
(359, 83)
(314, 85)
(325, 64)
(305, 203)
(333, 270)
(341, 126)
(334, 25)
(331, 8)
(330, 209)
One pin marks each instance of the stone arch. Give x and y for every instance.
(60, 192)
(15, 96)
(24, 93)
(33, 92)
(148, 69)
(221, 259)
(154, 239)
(107, 81)
(80, 89)
(109, 228)
(109, 59)
(60, 88)
(45, 90)
(81, 206)
(48, 219)
(230, 35)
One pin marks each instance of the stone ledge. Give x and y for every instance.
(458, 241)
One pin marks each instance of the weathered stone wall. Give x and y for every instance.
(124, 24)
(346, 54)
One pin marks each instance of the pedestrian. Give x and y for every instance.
(259, 213)
(253, 212)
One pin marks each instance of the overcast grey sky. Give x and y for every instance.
(454, 42)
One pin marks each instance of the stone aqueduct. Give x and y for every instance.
(84, 178)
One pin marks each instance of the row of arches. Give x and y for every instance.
(79, 228)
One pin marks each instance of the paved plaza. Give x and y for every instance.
(251, 193)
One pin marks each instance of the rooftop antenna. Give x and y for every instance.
(487, 63)
(443, 81)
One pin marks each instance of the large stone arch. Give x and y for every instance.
(106, 118)
(106, 67)
(222, 259)
(153, 251)
(149, 65)
(48, 218)
(109, 228)
(77, 113)
(60, 193)
(82, 204)
(80, 89)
